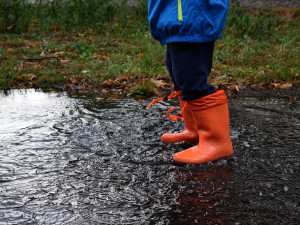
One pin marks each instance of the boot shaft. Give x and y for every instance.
(211, 116)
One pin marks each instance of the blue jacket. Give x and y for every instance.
(187, 20)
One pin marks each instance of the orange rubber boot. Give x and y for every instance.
(190, 134)
(211, 115)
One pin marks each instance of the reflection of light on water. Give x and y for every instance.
(22, 109)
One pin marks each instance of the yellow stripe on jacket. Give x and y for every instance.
(180, 17)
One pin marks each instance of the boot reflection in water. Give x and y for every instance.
(211, 116)
(205, 196)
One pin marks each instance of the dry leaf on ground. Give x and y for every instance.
(285, 86)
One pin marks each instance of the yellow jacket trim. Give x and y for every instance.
(180, 17)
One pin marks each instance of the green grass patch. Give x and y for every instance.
(85, 43)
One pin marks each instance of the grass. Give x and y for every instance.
(97, 45)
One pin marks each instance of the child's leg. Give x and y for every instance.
(189, 65)
(189, 134)
(170, 68)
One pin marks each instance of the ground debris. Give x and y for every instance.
(281, 86)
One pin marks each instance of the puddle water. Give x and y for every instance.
(84, 160)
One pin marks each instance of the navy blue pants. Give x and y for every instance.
(189, 65)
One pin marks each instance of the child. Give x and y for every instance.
(190, 28)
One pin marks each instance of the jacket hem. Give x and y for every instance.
(190, 39)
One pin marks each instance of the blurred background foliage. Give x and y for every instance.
(111, 38)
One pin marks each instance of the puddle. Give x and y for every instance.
(74, 159)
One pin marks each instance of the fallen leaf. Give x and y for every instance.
(18, 77)
(160, 77)
(31, 77)
(285, 86)
(275, 85)
(21, 67)
(58, 53)
(75, 80)
(84, 71)
(102, 90)
(111, 83)
(10, 27)
(108, 83)
(157, 92)
(103, 56)
(234, 88)
(31, 63)
(9, 51)
(34, 44)
(97, 54)
(124, 78)
(159, 83)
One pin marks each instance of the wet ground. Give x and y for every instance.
(81, 159)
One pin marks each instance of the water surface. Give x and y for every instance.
(82, 159)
